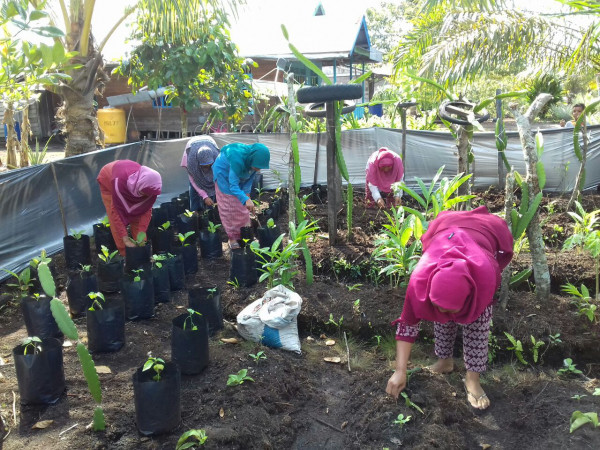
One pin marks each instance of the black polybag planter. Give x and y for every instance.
(208, 304)
(162, 283)
(176, 273)
(275, 208)
(169, 210)
(189, 255)
(246, 234)
(159, 216)
(138, 257)
(157, 403)
(77, 251)
(210, 245)
(38, 318)
(243, 269)
(40, 376)
(189, 348)
(106, 327)
(110, 274)
(162, 240)
(103, 236)
(257, 185)
(138, 297)
(185, 224)
(268, 236)
(79, 285)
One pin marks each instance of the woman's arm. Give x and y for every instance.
(201, 192)
(397, 381)
(234, 187)
(374, 192)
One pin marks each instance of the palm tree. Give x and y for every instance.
(173, 20)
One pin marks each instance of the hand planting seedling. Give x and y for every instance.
(258, 356)
(165, 226)
(191, 439)
(156, 364)
(138, 274)
(212, 228)
(401, 420)
(183, 237)
(140, 240)
(107, 256)
(158, 259)
(569, 368)
(235, 379)
(31, 344)
(76, 233)
(98, 299)
(190, 317)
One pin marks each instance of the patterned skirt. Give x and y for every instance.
(233, 213)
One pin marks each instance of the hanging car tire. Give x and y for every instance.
(329, 93)
(320, 110)
(444, 114)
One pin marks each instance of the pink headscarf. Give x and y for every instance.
(135, 189)
(377, 177)
(460, 268)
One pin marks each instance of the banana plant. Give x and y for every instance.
(67, 326)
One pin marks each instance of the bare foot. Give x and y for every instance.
(443, 366)
(475, 393)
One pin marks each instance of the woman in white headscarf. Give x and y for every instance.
(199, 156)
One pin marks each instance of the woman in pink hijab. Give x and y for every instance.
(464, 253)
(384, 168)
(128, 192)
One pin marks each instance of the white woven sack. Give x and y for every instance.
(272, 320)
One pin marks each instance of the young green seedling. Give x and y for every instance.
(106, 255)
(189, 214)
(97, 300)
(596, 391)
(212, 228)
(354, 287)
(409, 402)
(517, 347)
(165, 226)
(23, 281)
(76, 233)
(211, 292)
(401, 420)
(258, 356)
(271, 223)
(191, 439)
(235, 283)
(190, 317)
(235, 379)
(578, 397)
(105, 222)
(183, 237)
(156, 364)
(158, 259)
(138, 274)
(140, 240)
(31, 344)
(569, 368)
(536, 347)
(578, 419)
(43, 258)
(356, 307)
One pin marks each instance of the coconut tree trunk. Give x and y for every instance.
(12, 143)
(541, 273)
(25, 134)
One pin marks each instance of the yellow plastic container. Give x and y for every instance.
(112, 122)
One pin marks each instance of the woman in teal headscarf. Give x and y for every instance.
(234, 171)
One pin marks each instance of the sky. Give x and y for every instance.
(255, 12)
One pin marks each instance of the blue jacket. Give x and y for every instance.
(229, 182)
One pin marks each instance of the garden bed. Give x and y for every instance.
(303, 402)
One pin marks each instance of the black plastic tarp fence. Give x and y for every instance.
(34, 201)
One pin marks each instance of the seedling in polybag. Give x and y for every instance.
(77, 233)
(138, 274)
(156, 364)
(270, 223)
(183, 237)
(212, 228)
(190, 317)
(31, 344)
(140, 240)
(98, 299)
(211, 292)
(106, 255)
(105, 222)
(188, 213)
(165, 226)
(235, 379)
(157, 260)
(258, 356)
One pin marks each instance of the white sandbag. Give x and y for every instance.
(272, 319)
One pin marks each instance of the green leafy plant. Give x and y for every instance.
(585, 305)
(235, 283)
(520, 218)
(517, 348)
(409, 402)
(356, 307)
(190, 318)
(354, 287)
(23, 281)
(106, 255)
(140, 239)
(156, 364)
(211, 292)
(271, 223)
(97, 300)
(578, 397)
(401, 420)
(554, 339)
(43, 258)
(138, 274)
(31, 344)
(212, 228)
(191, 439)
(596, 391)
(36, 156)
(105, 222)
(338, 324)
(189, 214)
(183, 237)
(157, 260)
(165, 226)
(68, 328)
(569, 368)
(579, 419)
(77, 234)
(235, 379)
(536, 347)
(258, 356)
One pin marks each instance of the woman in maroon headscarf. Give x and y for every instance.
(464, 253)
(384, 168)
(128, 192)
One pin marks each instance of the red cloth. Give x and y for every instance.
(122, 173)
(464, 253)
(234, 215)
(377, 177)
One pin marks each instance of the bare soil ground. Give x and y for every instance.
(302, 402)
